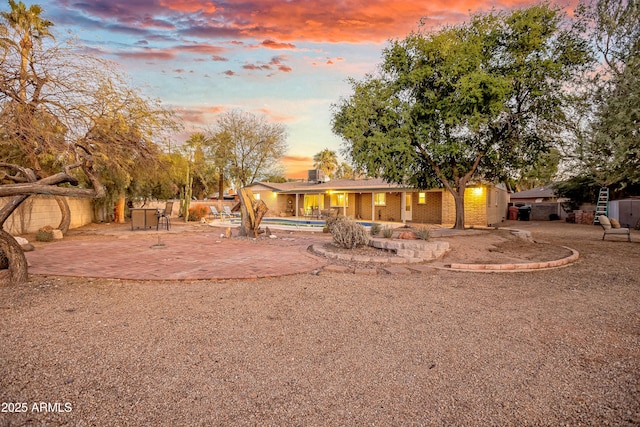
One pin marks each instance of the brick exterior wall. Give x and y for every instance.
(40, 210)
(391, 211)
(363, 206)
(430, 212)
(476, 211)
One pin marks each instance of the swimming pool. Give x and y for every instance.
(297, 223)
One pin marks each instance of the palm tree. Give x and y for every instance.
(31, 27)
(326, 161)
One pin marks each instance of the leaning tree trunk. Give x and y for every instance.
(17, 262)
(24, 186)
(252, 211)
(65, 221)
(11, 206)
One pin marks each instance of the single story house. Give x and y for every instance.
(545, 204)
(370, 199)
(545, 194)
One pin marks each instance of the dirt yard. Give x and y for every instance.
(553, 347)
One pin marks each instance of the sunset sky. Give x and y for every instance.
(287, 59)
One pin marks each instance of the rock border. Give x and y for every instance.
(513, 267)
(418, 251)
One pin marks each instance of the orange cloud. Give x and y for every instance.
(270, 44)
(297, 166)
(276, 117)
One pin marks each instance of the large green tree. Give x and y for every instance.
(474, 101)
(609, 149)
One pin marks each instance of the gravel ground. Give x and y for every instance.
(555, 347)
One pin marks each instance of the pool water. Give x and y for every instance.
(311, 223)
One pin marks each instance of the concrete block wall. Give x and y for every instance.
(543, 211)
(40, 210)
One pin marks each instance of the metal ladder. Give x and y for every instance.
(602, 206)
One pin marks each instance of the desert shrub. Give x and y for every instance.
(422, 233)
(375, 228)
(197, 212)
(45, 234)
(331, 221)
(348, 234)
(387, 232)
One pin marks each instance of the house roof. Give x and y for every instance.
(349, 185)
(366, 184)
(535, 193)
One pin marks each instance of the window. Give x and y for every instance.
(339, 199)
(422, 198)
(256, 196)
(380, 199)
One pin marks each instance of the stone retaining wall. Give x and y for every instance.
(407, 251)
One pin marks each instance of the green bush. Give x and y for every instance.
(45, 234)
(387, 232)
(375, 228)
(422, 233)
(197, 212)
(347, 233)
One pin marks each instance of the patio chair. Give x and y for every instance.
(214, 212)
(164, 216)
(227, 211)
(608, 229)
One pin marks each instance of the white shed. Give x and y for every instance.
(627, 211)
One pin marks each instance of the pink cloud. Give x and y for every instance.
(270, 44)
(190, 6)
(279, 24)
(199, 116)
(149, 54)
(200, 48)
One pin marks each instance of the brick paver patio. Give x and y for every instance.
(200, 254)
